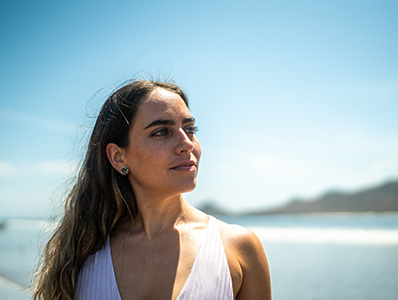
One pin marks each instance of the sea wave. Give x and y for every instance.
(376, 236)
(29, 224)
(328, 235)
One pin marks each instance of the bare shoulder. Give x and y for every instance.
(244, 249)
(239, 237)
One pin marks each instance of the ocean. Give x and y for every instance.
(311, 256)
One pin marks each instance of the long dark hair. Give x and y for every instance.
(100, 198)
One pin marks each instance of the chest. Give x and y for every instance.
(153, 269)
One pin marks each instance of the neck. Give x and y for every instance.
(157, 216)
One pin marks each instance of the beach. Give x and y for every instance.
(318, 256)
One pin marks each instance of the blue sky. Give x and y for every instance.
(292, 98)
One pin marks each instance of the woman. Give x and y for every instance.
(127, 232)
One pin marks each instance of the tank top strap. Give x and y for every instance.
(210, 277)
(96, 279)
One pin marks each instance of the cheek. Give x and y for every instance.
(136, 158)
(145, 167)
(143, 158)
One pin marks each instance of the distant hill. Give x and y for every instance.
(210, 207)
(382, 198)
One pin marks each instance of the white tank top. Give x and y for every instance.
(209, 278)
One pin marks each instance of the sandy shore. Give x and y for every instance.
(9, 290)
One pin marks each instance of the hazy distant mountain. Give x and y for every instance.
(383, 198)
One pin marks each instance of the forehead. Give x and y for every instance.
(161, 104)
(162, 96)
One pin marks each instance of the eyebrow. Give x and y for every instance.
(169, 122)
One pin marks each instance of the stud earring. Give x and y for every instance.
(124, 170)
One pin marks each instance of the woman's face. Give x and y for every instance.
(163, 152)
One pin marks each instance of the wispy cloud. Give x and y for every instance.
(56, 167)
(46, 168)
(6, 169)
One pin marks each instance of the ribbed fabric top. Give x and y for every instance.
(209, 278)
(96, 280)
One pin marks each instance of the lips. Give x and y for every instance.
(188, 166)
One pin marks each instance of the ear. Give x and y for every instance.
(115, 155)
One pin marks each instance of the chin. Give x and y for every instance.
(187, 187)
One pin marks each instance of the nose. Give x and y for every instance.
(185, 144)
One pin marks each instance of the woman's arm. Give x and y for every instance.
(256, 283)
(247, 262)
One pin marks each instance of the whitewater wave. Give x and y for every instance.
(379, 236)
(328, 235)
(30, 224)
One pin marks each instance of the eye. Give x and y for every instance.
(162, 132)
(191, 129)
